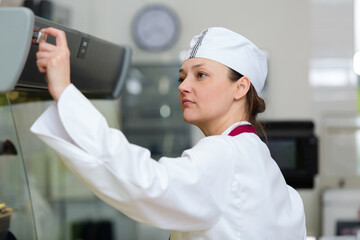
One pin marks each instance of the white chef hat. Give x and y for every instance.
(232, 50)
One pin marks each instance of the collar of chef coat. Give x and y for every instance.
(232, 127)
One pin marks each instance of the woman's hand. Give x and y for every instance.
(54, 61)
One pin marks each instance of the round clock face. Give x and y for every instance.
(155, 28)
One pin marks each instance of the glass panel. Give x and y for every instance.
(152, 115)
(63, 207)
(14, 190)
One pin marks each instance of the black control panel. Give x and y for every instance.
(98, 68)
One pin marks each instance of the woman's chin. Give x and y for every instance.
(187, 120)
(190, 119)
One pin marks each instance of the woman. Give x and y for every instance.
(226, 187)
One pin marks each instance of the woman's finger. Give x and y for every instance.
(40, 55)
(41, 65)
(58, 34)
(44, 46)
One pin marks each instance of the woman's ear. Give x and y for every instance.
(242, 87)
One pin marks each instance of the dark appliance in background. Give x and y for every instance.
(41, 8)
(92, 230)
(294, 146)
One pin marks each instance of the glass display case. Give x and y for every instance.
(152, 114)
(18, 221)
(63, 208)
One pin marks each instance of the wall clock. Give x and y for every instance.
(155, 28)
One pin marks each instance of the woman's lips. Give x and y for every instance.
(187, 102)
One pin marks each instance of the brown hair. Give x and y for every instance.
(255, 104)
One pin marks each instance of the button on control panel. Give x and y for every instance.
(83, 47)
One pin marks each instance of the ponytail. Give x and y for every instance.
(255, 104)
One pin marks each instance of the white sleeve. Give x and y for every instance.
(174, 193)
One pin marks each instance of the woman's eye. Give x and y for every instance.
(201, 75)
(180, 80)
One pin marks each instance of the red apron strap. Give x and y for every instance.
(242, 129)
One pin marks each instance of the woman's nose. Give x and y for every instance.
(184, 86)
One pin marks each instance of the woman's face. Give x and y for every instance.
(205, 91)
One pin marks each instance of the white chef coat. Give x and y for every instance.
(223, 188)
